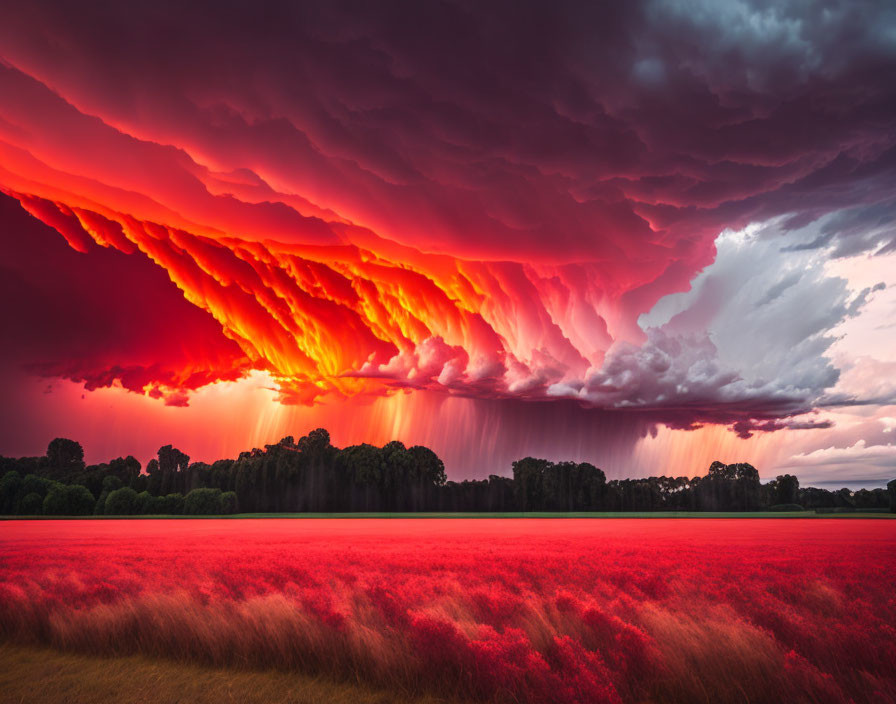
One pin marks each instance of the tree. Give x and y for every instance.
(73, 500)
(557, 486)
(111, 483)
(431, 468)
(145, 503)
(426, 476)
(786, 489)
(152, 505)
(31, 505)
(244, 480)
(80, 500)
(720, 470)
(500, 494)
(571, 486)
(891, 490)
(528, 479)
(173, 466)
(153, 477)
(122, 502)
(126, 469)
(10, 487)
(64, 458)
(171, 505)
(360, 470)
(871, 498)
(203, 502)
(730, 487)
(312, 469)
(228, 502)
(99, 508)
(592, 487)
(398, 474)
(748, 487)
(36, 485)
(317, 442)
(312, 475)
(140, 483)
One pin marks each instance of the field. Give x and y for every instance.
(711, 610)
(41, 675)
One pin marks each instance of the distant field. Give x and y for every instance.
(535, 514)
(548, 611)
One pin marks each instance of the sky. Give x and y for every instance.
(646, 235)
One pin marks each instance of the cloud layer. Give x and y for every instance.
(478, 200)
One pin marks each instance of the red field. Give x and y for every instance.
(514, 610)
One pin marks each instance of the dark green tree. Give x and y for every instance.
(122, 502)
(10, 490)
(173, 467)
(786, 489)
(203, 502)
(228, 502)
(145, 503)
(126, 469)
(730, 487)
(64, 458)
(528, 479)
(68, 500)
(32, 483)
(360, 468)
(171, 505)
(31, 505)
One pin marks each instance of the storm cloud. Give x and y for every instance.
(500, 201)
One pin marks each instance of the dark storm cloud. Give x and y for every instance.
(563, 131)
(578, 156)
(101, 317)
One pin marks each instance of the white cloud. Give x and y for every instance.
(859, 460)
(749, 340)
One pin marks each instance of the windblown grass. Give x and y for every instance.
(517, 611)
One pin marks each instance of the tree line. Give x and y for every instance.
(312, 475)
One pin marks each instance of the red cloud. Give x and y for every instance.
(354, 207)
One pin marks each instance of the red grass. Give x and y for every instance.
(542, 610)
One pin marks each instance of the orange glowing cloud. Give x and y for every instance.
(328, 307)
(344, 319)
(352, 214)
